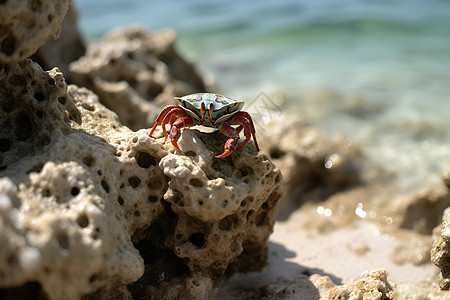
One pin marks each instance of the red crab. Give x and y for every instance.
(212, 110)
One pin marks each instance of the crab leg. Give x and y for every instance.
(167, 110)
(245, 122)
(171, 118)
(175, 130)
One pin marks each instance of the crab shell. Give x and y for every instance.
(210, 109)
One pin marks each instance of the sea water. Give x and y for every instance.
(377, 72)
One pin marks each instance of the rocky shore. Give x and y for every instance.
(91, 207)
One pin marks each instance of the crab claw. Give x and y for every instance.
(230, 147)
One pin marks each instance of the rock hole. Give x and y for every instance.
(137, 213)
(51, 81)
(63, 239)
(197, 239)
(152, 199)
(190, 153)
(74, 191)
(88, 161)
(8, 45)
(46, 193)
(62, 100)
(96, 234)
(39, 96)
(83, 221)
(130, 55)
(225, 203)
(5, 145)
(250, 213)
(36, 168)
(134, 181)
(86, 105)
(276, 152)
(200, 202)
(265, 205)
(145, 160)
(92, 278)
(39, 114)
(196, 182)
(120, 200)
(225, 224)
(105, 185)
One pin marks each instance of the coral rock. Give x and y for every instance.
(90, 208)
(373, 285)
(440, 253)
(26, 25)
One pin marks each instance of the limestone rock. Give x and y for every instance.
(373, 285)
(26, 25)
(97, 210)
(422, 212)
(136, 73)
(440, 253)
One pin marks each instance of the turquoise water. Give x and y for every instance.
(375, 71)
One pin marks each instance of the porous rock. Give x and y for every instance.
(440, 253)
(313, 165)
(423, 211)
(97, 210)
(136, 72)
(372, 285)
(26, 25)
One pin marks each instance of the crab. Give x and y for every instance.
(211, 110)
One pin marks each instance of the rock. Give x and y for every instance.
(422, 212)
(311, 162)
(26, 25)
(136, 73)
(423, 290)
(97, 210)
(67, 48)
(373, 285)
(440, 253)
